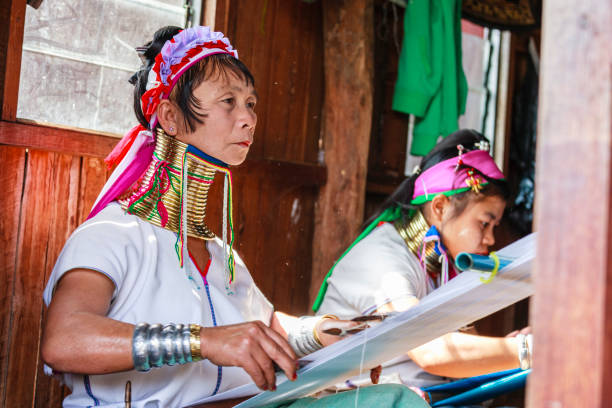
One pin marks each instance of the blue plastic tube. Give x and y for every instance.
(487, 391)
(485, 263)
(466, 384)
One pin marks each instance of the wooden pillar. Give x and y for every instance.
(12, 15)
(572, 306)
(348, 30)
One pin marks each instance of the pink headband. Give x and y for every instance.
(447, 178)
(133, 153)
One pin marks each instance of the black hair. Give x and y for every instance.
(182, 94)
(444, 150)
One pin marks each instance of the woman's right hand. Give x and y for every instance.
(253, 346)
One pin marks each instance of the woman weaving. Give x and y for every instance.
(143, 283)
(451, 204)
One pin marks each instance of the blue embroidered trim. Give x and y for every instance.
(212, 310)
(219, 377)
(433, 232)
(202, 155)
(88, 389)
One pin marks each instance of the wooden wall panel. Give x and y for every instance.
(93, 176)
(63, 211)
(48, 216)
(280, 41)
(58, 191)
(274, 228)
(13, 163)
(287, 222)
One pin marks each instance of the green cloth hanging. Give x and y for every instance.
(431, 83)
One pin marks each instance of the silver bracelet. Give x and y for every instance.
(140, 347)
(524, 350)
(185, 335)
(168, 335)
(154, 345)
(156, 358)
(177, 345)
(301, 336)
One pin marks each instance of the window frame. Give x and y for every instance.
(32, 133)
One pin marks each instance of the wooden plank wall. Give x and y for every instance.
(10, 203)
(281, 43)
(55, 174)
(45, 202)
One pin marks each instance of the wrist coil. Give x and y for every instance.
(156, 345)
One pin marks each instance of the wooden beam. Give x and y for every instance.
(12, 14)
(572, 305)
(56, 139)
(348, 35)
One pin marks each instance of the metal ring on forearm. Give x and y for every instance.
(156, 358)
(167, 338)
(140, 347)
(154, 345)
(301, 336)
(524, 350)
(186, 335)
(177, 345)
(194, 342)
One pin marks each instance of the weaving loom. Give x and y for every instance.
(460, 302)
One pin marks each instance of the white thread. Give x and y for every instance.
(425, 189)
(365, 341)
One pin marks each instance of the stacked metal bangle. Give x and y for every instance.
(303, 337)
(155, 345)
(525, 350)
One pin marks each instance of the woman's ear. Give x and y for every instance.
(440, 206)
(167, 115)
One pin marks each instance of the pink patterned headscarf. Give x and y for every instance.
(455, 175)
(133, 153)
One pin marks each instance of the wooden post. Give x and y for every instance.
(348, 30)
(12, 15)
(572, 306)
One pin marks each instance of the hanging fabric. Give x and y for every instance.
(431, 83)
